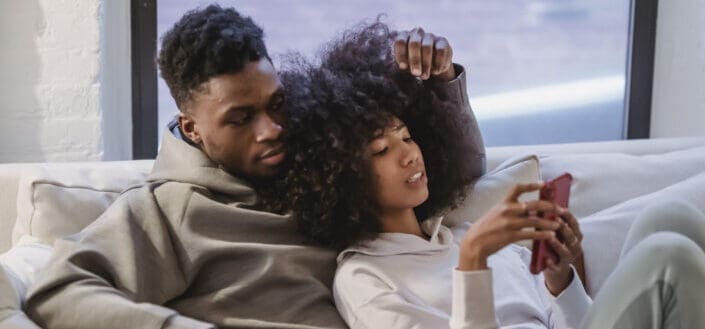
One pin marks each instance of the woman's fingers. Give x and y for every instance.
(568, 235)
(519, 189)
(571, 221)
(564, 254)
(519, 223)
(531, 235)
(551, 265)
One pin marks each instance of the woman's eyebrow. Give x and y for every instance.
(399, 127)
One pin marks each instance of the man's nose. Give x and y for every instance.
(266, 129)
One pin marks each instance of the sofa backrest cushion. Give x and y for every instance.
(58, 199)
(602, 180)
(493, 187)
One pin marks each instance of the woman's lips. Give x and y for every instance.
(417, 179)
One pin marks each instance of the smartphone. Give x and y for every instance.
(557, 191)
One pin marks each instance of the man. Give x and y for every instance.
(189, 248)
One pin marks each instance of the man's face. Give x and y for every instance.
(233, 119)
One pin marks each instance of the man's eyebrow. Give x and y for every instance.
(244, 108)
(276, 95)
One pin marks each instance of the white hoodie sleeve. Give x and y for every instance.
(366, 300)
(572, 303)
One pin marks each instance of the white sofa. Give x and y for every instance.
(612, 182)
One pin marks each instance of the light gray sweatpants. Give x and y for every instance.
(660, 279)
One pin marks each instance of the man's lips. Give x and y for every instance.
(272, 156)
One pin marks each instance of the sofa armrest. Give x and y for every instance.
(9, 179)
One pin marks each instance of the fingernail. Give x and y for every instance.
(402, 65)
(416, 72)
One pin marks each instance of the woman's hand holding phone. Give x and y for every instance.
(554, 256)
(558, 275)
(504, 224)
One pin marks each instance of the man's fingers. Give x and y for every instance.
(442, 56)
(427, 55)
(401, 49)
(414, 51)
(519, 189)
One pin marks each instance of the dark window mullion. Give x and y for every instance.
(144, 79)
(640, 68)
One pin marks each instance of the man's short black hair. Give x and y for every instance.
(205, 43)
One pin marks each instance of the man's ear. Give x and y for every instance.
(188, 128)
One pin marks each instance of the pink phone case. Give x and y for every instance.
(557, 191)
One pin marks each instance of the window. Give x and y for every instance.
(539, 71)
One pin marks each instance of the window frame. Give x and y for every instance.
(143, 23)
(638, 90)
(640, 68)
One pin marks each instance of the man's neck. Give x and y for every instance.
(402, 221)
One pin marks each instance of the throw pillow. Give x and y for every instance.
(55, 199)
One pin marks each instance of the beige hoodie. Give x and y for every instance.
(186, 245)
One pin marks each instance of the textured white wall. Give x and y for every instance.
(678, 104)
(50, 82)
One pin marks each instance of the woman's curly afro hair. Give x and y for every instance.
(205, 43)
(334, 109)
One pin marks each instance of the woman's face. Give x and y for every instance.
(397, 163)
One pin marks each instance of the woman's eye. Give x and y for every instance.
(408, 140)
(381, 152)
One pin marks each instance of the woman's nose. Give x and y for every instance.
(409, 155)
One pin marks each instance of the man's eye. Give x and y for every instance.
(276, 105)
(241, 119)
(382, 152)
(408, 140)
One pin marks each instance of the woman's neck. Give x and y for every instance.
(401, 221)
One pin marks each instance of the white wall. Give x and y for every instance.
(56, 85)
(678, 103)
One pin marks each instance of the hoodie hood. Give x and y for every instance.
(387, 244)
(179, 161)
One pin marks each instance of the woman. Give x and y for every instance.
(358, 182)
